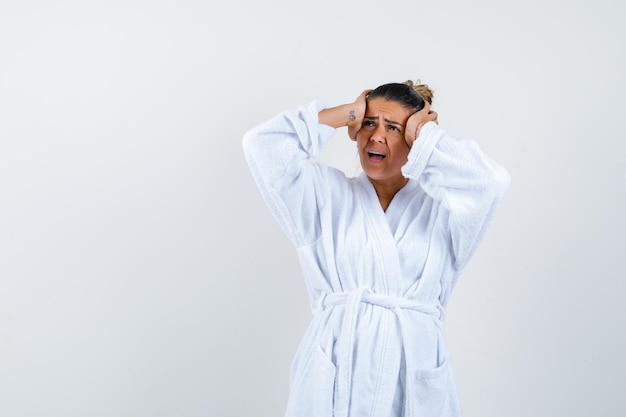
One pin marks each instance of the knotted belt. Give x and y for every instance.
(345, 343)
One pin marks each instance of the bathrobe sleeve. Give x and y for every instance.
(281, 154)
(467, 183)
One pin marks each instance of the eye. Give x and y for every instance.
(394, 128)
(367, 123)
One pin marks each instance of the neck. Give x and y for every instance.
(386, 190)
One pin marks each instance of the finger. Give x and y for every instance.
(365, 93)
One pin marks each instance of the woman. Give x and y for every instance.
(380, 252)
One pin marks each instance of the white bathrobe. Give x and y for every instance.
(378, 281)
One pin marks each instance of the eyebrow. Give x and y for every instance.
(386, 120)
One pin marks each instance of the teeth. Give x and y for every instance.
(376, 153)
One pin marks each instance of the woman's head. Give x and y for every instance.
(380, 141)
(408, 94)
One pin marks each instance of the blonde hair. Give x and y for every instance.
(422, 90)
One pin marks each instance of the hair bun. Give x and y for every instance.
(422, 90)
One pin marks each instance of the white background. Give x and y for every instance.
(141, 273)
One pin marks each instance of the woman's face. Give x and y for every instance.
(380, 141)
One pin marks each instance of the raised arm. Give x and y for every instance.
(281, 154)
(468, 184)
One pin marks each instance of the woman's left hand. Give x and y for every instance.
(416, 121)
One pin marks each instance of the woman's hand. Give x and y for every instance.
(350, 115)
(416, 121)
(356, 114)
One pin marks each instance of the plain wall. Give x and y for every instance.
(141, 273)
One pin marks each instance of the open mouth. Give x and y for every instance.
(376, 156)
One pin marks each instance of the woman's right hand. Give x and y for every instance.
(356, 113)
(350, 115)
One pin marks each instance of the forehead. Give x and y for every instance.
(389, 109)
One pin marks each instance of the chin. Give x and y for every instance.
(377, 176)
(380, 175)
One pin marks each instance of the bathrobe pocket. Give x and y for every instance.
(433, 393)
(312, 390)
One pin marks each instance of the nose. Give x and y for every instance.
(378, 135)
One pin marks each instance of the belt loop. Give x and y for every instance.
(321, 304)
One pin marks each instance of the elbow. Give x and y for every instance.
(501, 179)
(253, 143)
(248, 142)
(504, 179)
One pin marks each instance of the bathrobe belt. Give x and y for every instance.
(345, 343)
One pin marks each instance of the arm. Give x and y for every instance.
(468, 184)
(280, 154)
